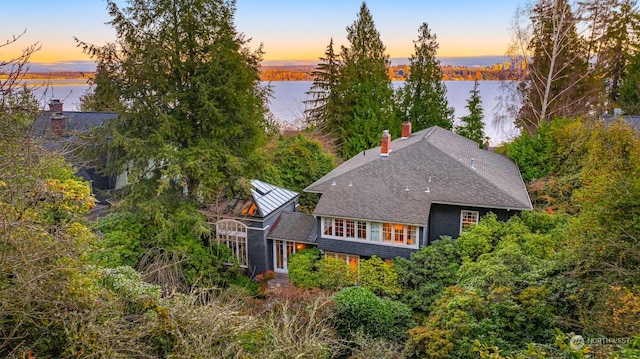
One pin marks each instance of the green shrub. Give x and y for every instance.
(379, 276)
(359, 310)
(301, 267)
(335, 274)
(429, 271)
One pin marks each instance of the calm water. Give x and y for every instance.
(288, 96)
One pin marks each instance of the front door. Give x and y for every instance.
(282, 251)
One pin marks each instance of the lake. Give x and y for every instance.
(287, 104)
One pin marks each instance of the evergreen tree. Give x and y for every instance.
(103, 94)
(423, 99)
(620, 42)
(472, 126)
(629, 93)
(324, 106)
(364, 88)
(192, 121)
(194, 110)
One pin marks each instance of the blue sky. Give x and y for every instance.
(289, 30)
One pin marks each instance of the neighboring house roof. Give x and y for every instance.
(634, 121)
(268, 197)
(294, 226)
(74, 121)
(431, 166)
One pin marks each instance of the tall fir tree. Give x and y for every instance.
(621, 43)
(423, 99)
(194, 110)
(365, 88)
(629, 92)
(323, 109)
(472, 126)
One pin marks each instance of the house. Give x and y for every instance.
(391, 200)
(61, 131)
(387, 201)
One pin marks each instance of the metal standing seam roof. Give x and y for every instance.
(431, 166)
(269, 198)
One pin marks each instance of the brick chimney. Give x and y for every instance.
(58, 125)
(55, 105)
(406, 129)
(385, 143)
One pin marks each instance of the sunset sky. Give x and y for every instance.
(288, 29)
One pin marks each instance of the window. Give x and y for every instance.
(362, 230)
(350, 229)
(398, 234)
(328, 226)
(351, 259)
(386, 232)
(468, 218)
(375, 232)
(233, 234)
(339, 227)
(412, 235)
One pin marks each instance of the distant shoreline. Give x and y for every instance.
(498, 71)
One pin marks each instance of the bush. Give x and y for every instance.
(428, 273)
(335, 274)
(361, 311)
(380, 277)
(301, 268)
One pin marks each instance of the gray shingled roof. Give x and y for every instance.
(394, 188)
(294, 226)
(75, 121)
(268, 197)
(634, 121)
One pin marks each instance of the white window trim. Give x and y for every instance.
(462, 212)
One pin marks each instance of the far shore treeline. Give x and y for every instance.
(494, 72)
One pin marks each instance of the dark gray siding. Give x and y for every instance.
(444, 220)
(260, 250)
(363, 249)
(257, 247)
